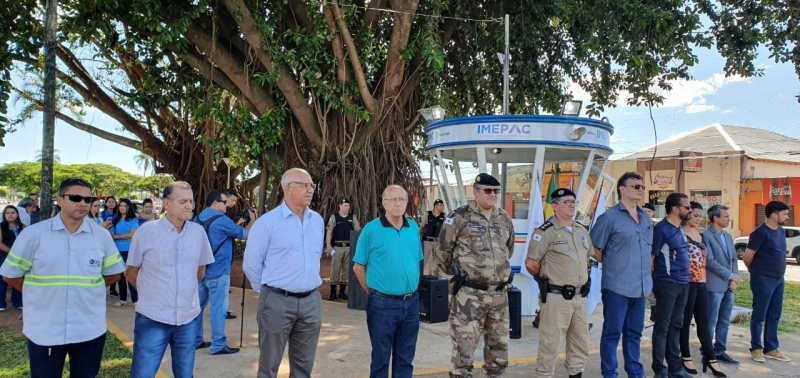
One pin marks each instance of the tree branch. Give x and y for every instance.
(373, 14)
(111, 137)
(369, 102)
(286, 83)
(401, 30)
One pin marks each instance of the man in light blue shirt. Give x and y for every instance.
(281, 261)
(387, 259)
(216, 283)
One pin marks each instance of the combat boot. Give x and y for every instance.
(332, 296)
(579, 375)
(342, 294)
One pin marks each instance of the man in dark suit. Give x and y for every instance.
(722, 279)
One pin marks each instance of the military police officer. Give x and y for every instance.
(558, 255)
(431, 225)
(475, 244)
(337, 242)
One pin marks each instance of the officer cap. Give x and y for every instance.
(345, 200)
(649, 206)
(485, 179)
(562, 192)
(438, 202)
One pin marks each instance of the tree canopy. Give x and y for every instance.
(334, 86)
(106, 180)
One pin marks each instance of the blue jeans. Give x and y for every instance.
(393, 326)
(123, 284)
(16, 295)
(719, 318)
(767, 308)
(216, 291)
(624, 317)
(150, 340)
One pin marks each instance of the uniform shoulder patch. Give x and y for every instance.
(449, 221)
(545, 226)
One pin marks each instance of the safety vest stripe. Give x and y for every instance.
(19, 261)
(63, 280)
(112, 260)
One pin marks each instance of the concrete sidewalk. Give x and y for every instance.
(344, 348)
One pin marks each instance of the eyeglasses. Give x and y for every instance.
(305, 185)
(637, 186)
(568, 203)
(77, 198)
(396, 200)
(490, 191)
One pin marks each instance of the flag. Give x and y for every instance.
(548, 208)
(535, 220)
(596, 273)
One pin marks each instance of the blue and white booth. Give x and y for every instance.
(520, 150)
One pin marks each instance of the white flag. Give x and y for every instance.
(535, 220)
(595, 295)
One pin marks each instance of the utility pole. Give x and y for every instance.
(505, 72)
(49, 114)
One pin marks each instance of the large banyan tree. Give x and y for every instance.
(334, 86)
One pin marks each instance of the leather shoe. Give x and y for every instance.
(226, 350)
(724, 357)
(204, 344)
(579, 375)
(230, 316)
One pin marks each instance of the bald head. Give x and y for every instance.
(298, 187)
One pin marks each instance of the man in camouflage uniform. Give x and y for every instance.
(479, 239)
(559, 253)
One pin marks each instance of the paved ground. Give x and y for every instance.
(344, 348)
(792, 270)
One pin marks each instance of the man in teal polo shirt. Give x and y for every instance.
(387, 264)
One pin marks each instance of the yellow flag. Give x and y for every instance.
(548, 208)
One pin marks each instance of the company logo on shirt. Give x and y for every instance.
(95, 263)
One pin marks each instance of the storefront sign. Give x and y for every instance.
(780, 189)
(658, 197)
(707, 198)
(692, 161)
(662, 180)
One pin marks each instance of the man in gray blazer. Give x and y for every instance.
(722, 279)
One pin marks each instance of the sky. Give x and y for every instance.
(766, 102)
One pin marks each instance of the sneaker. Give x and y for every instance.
(776, 355)
(120, 304)
(114, 294)
(758, 355)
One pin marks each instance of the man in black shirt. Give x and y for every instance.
(430, 226)
(337, 246)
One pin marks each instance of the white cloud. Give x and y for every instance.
(699, 108)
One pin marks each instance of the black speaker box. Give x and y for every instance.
(433, 299)
(515, 313)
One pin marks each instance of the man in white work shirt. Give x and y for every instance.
(167, 259)
(63, 266)
(282, 262)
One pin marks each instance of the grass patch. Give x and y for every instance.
(14, 357)
(790, 317)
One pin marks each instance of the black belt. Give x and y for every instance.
(289, 293)
(559, 289)
(341, 243)
(390, 296)
(429, 238)
(480, 286)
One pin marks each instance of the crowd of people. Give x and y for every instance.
(178, 264)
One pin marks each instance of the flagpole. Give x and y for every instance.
(599, 194)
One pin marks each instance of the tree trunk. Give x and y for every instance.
(49, 116)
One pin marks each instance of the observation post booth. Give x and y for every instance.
(522, 152)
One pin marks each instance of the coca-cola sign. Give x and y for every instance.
(780, 189)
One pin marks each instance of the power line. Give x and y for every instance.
(498, 20)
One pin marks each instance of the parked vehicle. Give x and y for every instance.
(792, 243)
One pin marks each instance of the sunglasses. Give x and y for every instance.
(77, 198)
(636, 187)
(490, 191)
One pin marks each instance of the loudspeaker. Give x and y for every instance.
(515, 313)
(433, 299)
(356, 296)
